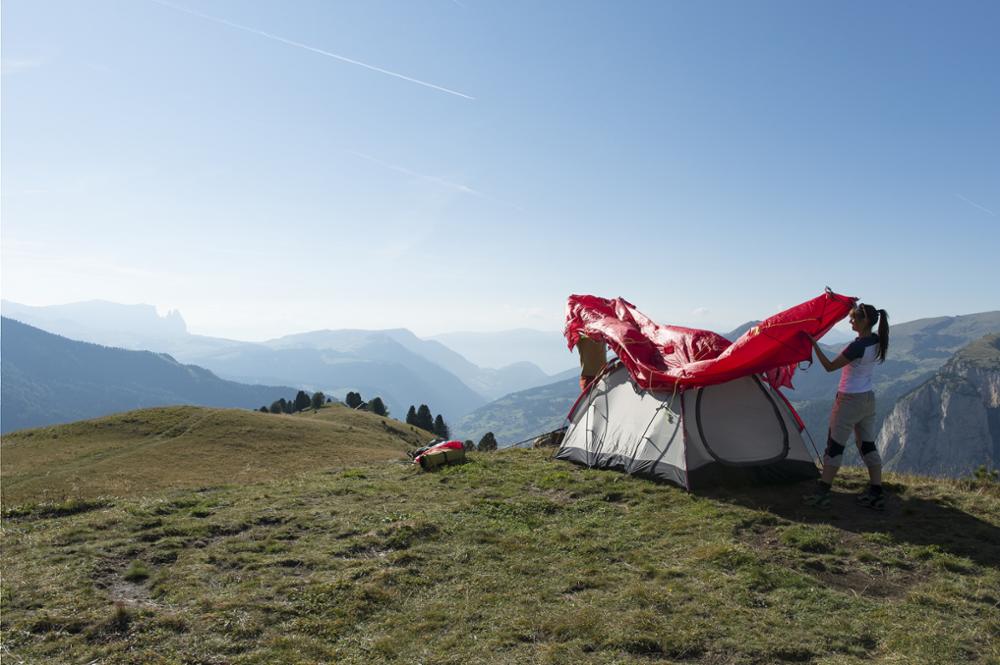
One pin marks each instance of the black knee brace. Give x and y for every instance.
(869, 453)
(834, 453)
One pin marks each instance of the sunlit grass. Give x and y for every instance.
(146, 451)
(510, 558)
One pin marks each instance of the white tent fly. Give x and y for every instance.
(698, 437)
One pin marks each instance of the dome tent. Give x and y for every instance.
(689, 407)
(740, 429)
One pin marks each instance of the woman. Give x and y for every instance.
(854, 408)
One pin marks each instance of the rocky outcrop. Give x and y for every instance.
(950, 425)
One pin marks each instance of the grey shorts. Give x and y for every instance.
(853, 412)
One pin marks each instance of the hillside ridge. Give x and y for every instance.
(187, 446)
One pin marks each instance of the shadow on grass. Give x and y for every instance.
(907, 519)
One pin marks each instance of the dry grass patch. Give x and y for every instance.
(150, 450)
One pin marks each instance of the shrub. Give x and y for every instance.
(377, 406)
(487, 443)
(985, 476)
(137, 572)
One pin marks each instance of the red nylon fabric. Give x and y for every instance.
(445, 445)
(667, 357)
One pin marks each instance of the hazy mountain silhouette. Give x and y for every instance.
(102, 322)
(50, 379)
(489, 383)
(547, 350)
(370, 362)
(395, 364)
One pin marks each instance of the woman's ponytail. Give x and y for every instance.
(883, 335)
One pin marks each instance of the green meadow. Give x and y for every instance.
(126, 544)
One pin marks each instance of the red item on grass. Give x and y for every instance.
(446, 445)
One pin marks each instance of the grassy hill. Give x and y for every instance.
(150, 450)
(511, 558)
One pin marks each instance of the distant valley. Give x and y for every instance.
(48, 379)
(394, 364)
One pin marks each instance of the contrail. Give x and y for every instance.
(976, 205)
(276, 38)
(440, 181)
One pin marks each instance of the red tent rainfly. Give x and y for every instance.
(660, 357)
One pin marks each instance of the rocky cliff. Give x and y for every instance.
(950, 425)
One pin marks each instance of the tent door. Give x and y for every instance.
(739, 423)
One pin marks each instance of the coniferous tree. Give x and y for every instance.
(411, 416)
(487, 443)
(441, 428)
(377, 406)
(424, 418)
(302, 401)
(469, 445)
(318, 400)
(263, 409)
(287, 406)
(353, 400)
(278, 406)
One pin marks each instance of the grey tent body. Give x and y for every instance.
(741, 430)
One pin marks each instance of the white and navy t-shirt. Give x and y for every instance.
(856, 376)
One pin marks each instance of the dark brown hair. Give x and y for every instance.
(881, 317)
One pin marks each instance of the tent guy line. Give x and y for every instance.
(306, 47)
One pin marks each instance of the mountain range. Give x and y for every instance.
(394, 364)
(50, 379)
(950, 425)
(514, 401)
(546, 349)
(917, 349)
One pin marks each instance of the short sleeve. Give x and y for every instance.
(854, 350)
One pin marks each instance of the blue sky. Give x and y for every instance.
(712, 162)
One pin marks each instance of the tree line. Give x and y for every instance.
(417, 416)
(303, 401)
(375, 404)
(422, 418)
(300, 402)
